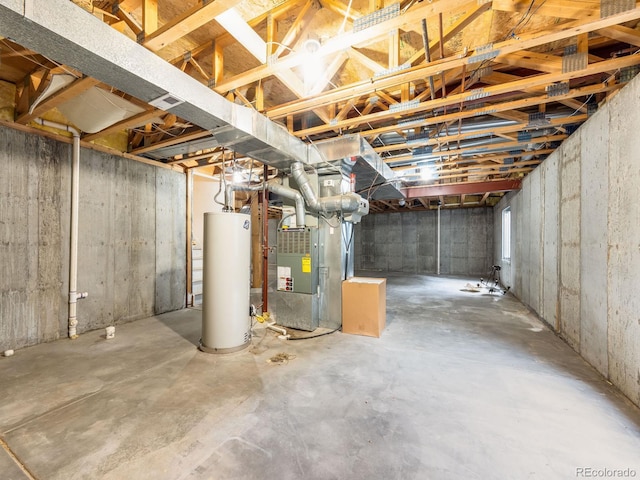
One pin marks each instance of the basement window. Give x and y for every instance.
(506, 234)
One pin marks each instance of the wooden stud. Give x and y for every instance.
(149, 16)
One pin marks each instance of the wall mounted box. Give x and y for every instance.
(364, 306)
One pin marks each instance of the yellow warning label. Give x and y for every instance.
(306, 265)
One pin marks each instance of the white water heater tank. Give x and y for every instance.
(226, 318)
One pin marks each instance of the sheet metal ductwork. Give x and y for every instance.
(66, 33)
(347, 203)
(374, 179)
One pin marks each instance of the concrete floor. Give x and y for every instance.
(460, 386)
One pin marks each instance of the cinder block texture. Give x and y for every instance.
(406, 241)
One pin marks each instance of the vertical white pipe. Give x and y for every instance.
(73, 247)
(73, 256)
(438, 248)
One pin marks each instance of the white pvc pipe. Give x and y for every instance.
(73, 248)
(283, 333)
(438, 248)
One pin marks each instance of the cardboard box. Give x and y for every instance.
(364, 306)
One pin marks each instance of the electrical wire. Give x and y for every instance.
(283, 219)
(326, 220)
(222, 179)
(315, 336)
(32, 59)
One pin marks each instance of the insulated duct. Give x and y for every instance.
(272, 186)
(291, 194)
(347, 202)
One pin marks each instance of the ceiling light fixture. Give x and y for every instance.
(311, 46)
(312, 66)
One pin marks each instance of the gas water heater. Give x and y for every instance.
(226, 318)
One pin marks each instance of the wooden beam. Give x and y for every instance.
(149, 16)
(512, 115)
(67, 93)
(583, 9)
(246, 36)
(339, 8)
(394, 48)
(328, 74)
(272, 30)
(367, 62)
(217, 63)
(90, 146)
(537, 80)
(297, 27)
(182, 25)
(341, 42)
(506, 146)
(528, 41)
(541, 62)
(622, 34)
(475, 172)
(126, 17)
(172, 141)
(226, 39)
(496, 78)
(199, 69)
(375, 5)
(125, 124)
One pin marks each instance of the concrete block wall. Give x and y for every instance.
(407, 242)
(132, 247)
(576, 241)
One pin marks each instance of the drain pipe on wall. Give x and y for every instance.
(74, 296)
(438, 247)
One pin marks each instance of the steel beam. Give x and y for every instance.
(462, 188)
